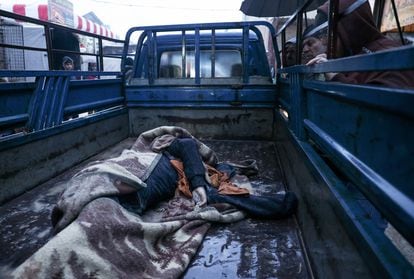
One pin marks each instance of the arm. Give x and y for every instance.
(320, 59)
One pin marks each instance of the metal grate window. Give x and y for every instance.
(12, 59)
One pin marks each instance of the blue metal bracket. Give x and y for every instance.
(46, 107)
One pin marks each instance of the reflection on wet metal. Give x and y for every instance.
(24, 228)
(251, 248)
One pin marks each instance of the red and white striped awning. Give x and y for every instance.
(89, 26)
(40, 11)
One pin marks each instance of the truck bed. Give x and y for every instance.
(247, 249)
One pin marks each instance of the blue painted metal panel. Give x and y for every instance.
(42, 104)
(14, 102)
(283, 95)
(391, 100)
(394, 59)
(10, 142)
(373, 244)
(366, 135)
(367, 132)
(202, 97)
(362, 123)
(180, 95)
(93, 95)
(265, 96)
(391, 200)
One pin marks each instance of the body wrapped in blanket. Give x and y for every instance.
(194, 182)
(105, 223)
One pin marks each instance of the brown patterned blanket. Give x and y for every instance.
(107, 241)
(98, 238)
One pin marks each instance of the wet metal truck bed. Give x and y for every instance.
(246, 249)
(345, 150)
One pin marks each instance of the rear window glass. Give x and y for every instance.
(227, 64)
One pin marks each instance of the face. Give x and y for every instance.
(312, 46)
(68, 66)
(290, 54)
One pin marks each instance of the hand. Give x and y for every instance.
(200, 196)
(320, 58)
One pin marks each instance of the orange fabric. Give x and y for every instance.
(218, 180)
(221, 181)
(183, 184)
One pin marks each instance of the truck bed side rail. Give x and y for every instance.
(51, 99)
(365, 133)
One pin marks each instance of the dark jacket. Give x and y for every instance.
(359, 35)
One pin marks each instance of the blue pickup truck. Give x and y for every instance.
(345, 150)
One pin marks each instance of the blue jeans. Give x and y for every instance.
(162, 182)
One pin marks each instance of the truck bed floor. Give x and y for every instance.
(246, 249)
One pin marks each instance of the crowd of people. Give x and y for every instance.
(357, 34)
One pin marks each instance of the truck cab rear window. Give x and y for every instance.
(227, 63)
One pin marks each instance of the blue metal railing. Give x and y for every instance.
(149, 34)
(365, 131)
(53, 97)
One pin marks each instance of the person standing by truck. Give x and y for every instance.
(68, 64)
